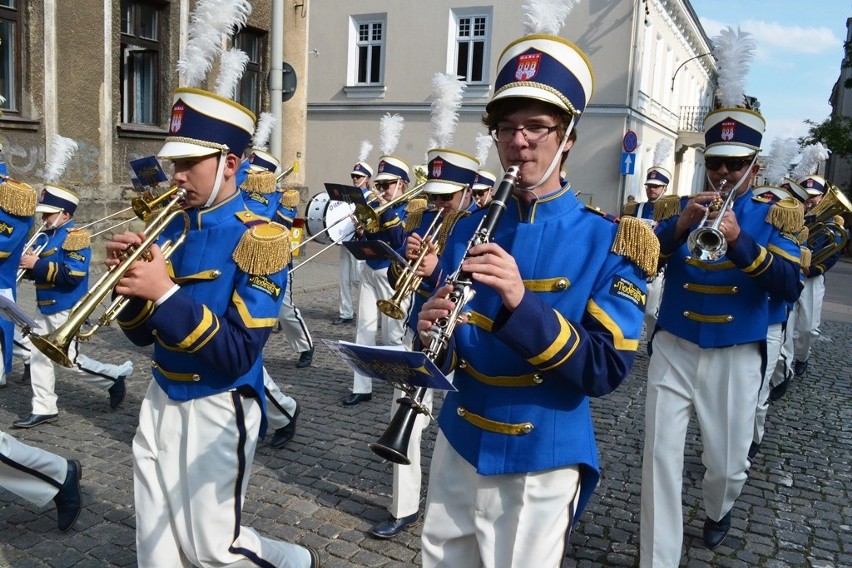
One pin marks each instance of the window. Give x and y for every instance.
(10, 55)
(471, 49)
(369, 47)
(141, 46)
(252, 42)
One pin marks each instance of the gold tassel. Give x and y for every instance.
(447, 227)
(666, 207)
(802, 236)
(17, 198)
(786, 215)
(264, 249)
(415, 204)
(636, 241)
(260, 182)
(291, 198)
(806, 257)
(77, 239)
(631, 208)
(413, 219)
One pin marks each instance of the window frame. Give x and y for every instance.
(136, 42)
(474, 89)
(353, 69)
(12, 104)
(254, 69)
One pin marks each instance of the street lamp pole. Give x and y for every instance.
(684, 63)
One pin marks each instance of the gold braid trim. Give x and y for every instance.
(447, 227)
(786, 215)
(17, 198)
(413, 219)
(666, 207)
(631, 208)
(264, 249)
(805, 258)
(291, 198)
(636, 241)
(260, 182)
(197, 142)
(802, 236)
(77, 239)
(542, 87)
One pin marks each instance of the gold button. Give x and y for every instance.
(527, 428)
(196, 378)
(460, 411)
(686, 314)
(686, 286)
(463, 364)
(729, 318)
(735, 289)
(561, 284)
(537, 379)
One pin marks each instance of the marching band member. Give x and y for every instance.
(61, 275)
(710, 340)
(515, 461)
(483, 188)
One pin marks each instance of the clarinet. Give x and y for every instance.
(393, 444)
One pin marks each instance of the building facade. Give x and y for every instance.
(653, 75)
(839, 169)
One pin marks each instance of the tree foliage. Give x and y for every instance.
(835, 132)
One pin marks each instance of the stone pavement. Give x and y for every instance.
(326, 488)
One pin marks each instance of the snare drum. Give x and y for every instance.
(330, 217)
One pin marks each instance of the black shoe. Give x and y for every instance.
(341, 321)
(393, 526)
(285, 434)
(34, 420)
(315, 561)
(117, 392)
(778, 391)
(25, 376)
(305, 358)
(716, 531)
(800, 367)
(354, 399)
(68, 500)
(752, 450)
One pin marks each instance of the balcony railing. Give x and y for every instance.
(692, 118)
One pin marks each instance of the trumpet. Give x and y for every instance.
(706, 241)
(55, 345)
(37, 243)
(370, 218)
(393, 444)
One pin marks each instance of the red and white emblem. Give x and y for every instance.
(177, 118)
(437, 167)
(653, 174)
(728, 127)
(382, 166)
(528, 65)
(809, 183)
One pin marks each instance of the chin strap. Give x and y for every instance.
(555, 161)
(217, 185)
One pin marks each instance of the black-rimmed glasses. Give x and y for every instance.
(533, 133)
(713, 163)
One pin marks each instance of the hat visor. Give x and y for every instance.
(437, 187)
(655, 182)
(481, 187)
(813, 192)
(528, 92)
(181, 150)
(47, 209)
(386, 177)
(730, 151)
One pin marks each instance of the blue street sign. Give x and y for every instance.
(628, 163)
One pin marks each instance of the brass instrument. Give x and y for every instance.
(37, 243)
(707, 242)
(393, 444)
(369, 218)
(56, 344)
(826, 238)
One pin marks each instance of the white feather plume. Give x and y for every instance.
(483, 145)
(733, 51)
(366, 148)
(782, 151)
(61, 151)
(263, 130)
(812, 155)
(662, 151)
(210, 23)
(390, 129)
(546, 16)
(232, 65)
(447, 92)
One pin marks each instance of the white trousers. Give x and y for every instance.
(31, 473)
(721, 386)
(191, 466)
(279, 406)
(774, 339)
(407, 479)
(292, 322)
(350, 275)
(808, 319)
(652, 302)
(375, 287)
(495, 521)
(784, 365)
(43, 376)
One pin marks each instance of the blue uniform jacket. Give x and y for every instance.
(725, 302)
(391, 230)
(574, 335)
(13, 236)
(61, 276)
(209, 335)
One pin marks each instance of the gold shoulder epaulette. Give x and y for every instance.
(631, 208)
(635, 240)
(802, 236)
(594, 209)
(666, 207)
(260, 182)
(805, 257)
(413, 218)
(247, 216)
(17, 198)
(291, 198)
(77, 239)
(264, 249)
(415, 204)
(786, 215)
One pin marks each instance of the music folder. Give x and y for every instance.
(148, 172)
(402, 368)
(10, 311)
(347, 193)
(373, 250)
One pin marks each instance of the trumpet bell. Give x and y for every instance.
(390, 309)
(55, 348)
(707, 244)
